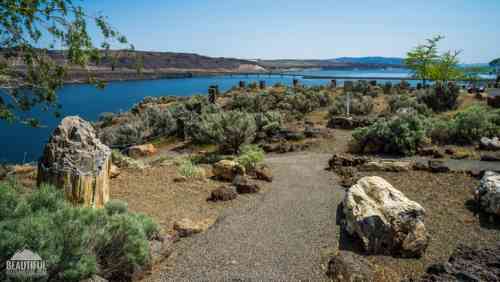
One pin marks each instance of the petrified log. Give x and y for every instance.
(77, 162)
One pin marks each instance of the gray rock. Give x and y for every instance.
(487, 193)
(385, 220)
(492, 144)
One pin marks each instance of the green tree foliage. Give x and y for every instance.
(495, 62)
(74, 242)
(24, 26)
(422, 57)
(446, 68)
(427, 64)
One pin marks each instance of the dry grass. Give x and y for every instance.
(154, 192)
(449, 220)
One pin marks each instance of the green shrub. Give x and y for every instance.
(440, 97)
(75, 243)
(268, 122)
(229, 129)
(399, 102)
(116, 207)
(401, 135)
(250, 156)
(473, 123)
(190, 170)
(360, 105)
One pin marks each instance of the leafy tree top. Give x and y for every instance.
(29, 77)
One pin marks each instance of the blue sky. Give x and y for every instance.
(308, 29)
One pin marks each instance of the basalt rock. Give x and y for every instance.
(340, 122)
(347, 160)
(385, 220)
(244, 186)
(467, 264)
(387, 165)
(223, 194)
(75, 161)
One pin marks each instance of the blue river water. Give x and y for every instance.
(20, 143)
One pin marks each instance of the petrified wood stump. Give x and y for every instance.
(76, 161)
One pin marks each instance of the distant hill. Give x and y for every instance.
(169, 61)
(372, 60)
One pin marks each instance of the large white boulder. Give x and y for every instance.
(488, 193)
(385, 220)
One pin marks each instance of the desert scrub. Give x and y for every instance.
(229, 130)
(269, 122)
(250, 156)
(401, 135)
(467, 126)
(189, 170)
(440, 97)
(75, 243)
(401, 102)
(360, 105)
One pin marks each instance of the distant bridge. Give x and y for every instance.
(328, 77)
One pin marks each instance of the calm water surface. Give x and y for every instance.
(19, 143)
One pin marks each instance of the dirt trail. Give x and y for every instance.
(285, 235)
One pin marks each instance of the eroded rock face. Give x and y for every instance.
(488, 193)
(467, 264)
(385, 220)
(76, 161)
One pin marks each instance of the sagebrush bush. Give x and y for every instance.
(269, 122)
(470, 125)
(400, 102)
(250, 156)
(75, 243)
(402, 135)
(440, 97)
(229, 129)
(360, 105)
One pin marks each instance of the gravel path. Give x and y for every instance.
(284, 235)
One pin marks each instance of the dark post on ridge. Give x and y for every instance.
(242, 84)
(295, 82)
(262, 84)
(333, 84)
